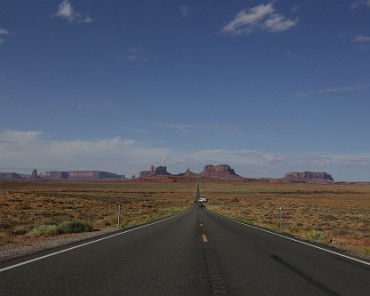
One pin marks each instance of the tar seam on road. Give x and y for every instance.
(298, 241)
(84, 244)
(304, 276)
(214, 277)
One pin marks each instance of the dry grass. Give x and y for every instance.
(30, 209)
(336, 214)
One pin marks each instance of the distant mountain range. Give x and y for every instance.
(223, 171)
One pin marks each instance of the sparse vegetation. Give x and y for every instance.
(51, 228)
(335, 214)
(35, 210)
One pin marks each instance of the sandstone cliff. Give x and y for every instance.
(220, 171)
(188, 173)
(155, 171)
(10, 176)
(309, 177)
(34, 175)
(81, 175)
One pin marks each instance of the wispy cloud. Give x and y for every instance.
(332, 90)
(359, 3)
(135, 130)
(262, 17)
(134, 49)
(224, 127)
(363, 43)
(3, 34)
(67, 11)
(131, 58)
(185, 10)
(133, 55)
(177, 125)
(186, 128)
(361, 39)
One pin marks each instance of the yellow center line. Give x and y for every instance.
(204, 238)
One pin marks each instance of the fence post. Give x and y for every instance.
(119, 216)
(280, 218)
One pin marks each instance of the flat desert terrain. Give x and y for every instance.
(334, 214)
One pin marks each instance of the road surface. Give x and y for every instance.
(194, 253)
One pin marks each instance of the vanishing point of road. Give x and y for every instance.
(194, 253)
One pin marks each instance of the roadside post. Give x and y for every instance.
(119, 216)
(280, 219)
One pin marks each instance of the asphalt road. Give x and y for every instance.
(195, 253)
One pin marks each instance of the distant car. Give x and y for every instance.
(203, 199)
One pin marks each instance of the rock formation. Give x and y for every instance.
(155, 171)
(10, 176)
(34, 175)
(56, 175)
(220, 171)
(81, 175)
(309, 177)
(189, 173)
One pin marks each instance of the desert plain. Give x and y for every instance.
(336, 215)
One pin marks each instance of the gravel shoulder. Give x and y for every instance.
(30, 246)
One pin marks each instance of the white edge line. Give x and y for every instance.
(297, 241)
(84, 244)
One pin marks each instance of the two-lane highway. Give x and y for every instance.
(255, 262)
(195, 253)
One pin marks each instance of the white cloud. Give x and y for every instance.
(177, 125)
(35, 149)
(134, 49)
(279, 23)
(261, 17)
(223, 127)
(20, 137)
(359, 3)
(87, 19)
(3, 32)
(135, 130)
(131, 58)
(185, 10)
(67, 11)
(332, 90)
(183, 128)
(361, 38)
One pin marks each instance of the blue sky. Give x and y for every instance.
(267, 87)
